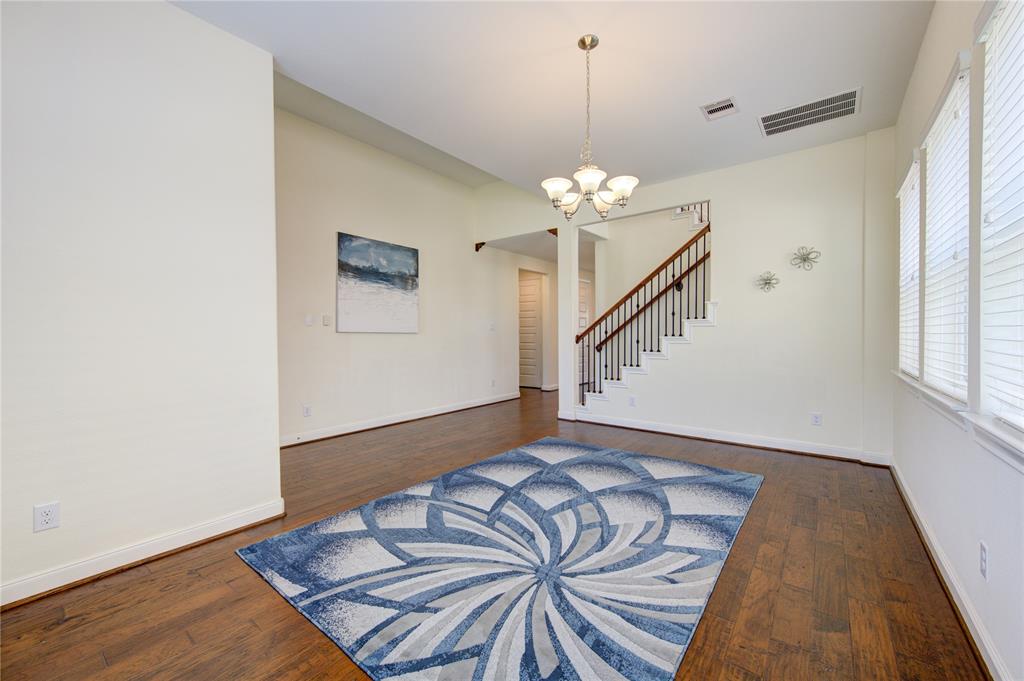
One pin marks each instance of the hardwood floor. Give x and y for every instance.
(827, 579)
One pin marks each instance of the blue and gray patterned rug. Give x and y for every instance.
(555, 561)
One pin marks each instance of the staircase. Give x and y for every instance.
(654, 315)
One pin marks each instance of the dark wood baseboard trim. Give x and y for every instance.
(396, 423)
(830, 457)
(136, 563)
(945, 587)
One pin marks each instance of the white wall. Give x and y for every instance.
(964, 489)
(502, 210)
(466, 351)
(774, 358)
(635, 246)
(139, 349)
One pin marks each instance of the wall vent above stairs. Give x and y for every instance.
(719, 109)
(836, 106)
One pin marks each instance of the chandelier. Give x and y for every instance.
(588, 175)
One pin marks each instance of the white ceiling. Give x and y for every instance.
(500, 85)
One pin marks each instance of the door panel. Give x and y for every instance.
(529, 333)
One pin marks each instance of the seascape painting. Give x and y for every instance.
(378, 286)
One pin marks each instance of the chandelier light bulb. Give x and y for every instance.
(588, 176)
(556, 187)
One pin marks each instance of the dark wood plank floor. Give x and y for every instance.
(827, 579)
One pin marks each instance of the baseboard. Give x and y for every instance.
(798, 446)
(73, 573)
(549, 388)
(392, 419)
(975, 625)
(565, 415)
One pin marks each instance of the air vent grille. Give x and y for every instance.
(837, 106)
(719, 109)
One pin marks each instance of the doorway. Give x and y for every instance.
(531, 329)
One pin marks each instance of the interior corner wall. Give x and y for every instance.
(139, 326)
(466, 351)
(820, 342)
(961, 489)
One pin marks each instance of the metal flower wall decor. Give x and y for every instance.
(767, 281)
(806, 257)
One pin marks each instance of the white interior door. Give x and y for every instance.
(529, 331)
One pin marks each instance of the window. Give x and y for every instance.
(910, 261)
(1002, 217)
(945, 245)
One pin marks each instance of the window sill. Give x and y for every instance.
(1001, 440)
(997, 437)
(945, 405)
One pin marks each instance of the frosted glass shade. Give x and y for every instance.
(603, 202)
(622, 186)
(556, 187)
(590, 178)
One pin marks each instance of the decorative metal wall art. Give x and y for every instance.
(806, 257)
(767, 281)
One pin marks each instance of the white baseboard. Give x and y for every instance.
(740, 438)
(996, 665)
(332, 431)
(567, 415)
(549, 388)
(40, 582)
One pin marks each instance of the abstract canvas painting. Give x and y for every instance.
(378, 286)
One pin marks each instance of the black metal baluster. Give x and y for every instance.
(673, 306)
(615, 348)
(704, 274)
(687, 279)
(696, 310)
(604, 353)
(648, 339)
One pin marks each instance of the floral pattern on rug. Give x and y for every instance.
(556, 561)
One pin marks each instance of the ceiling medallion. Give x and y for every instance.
(588, 175)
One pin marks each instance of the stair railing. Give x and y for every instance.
(656, 307)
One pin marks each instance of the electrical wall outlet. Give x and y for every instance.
(632, 400)
(493, 382)
(815, 418)
(308, 320)
(45, 516)
(983, 560)
(325, 319)
(307, 411)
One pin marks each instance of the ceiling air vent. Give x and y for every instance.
(719, 109)
(820, 111)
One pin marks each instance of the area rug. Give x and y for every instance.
(556, 561)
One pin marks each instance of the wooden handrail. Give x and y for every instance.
(650, 302)
(649, 277)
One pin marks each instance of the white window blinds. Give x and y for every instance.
(910, 285)
(1002, 211)
(945, 245)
